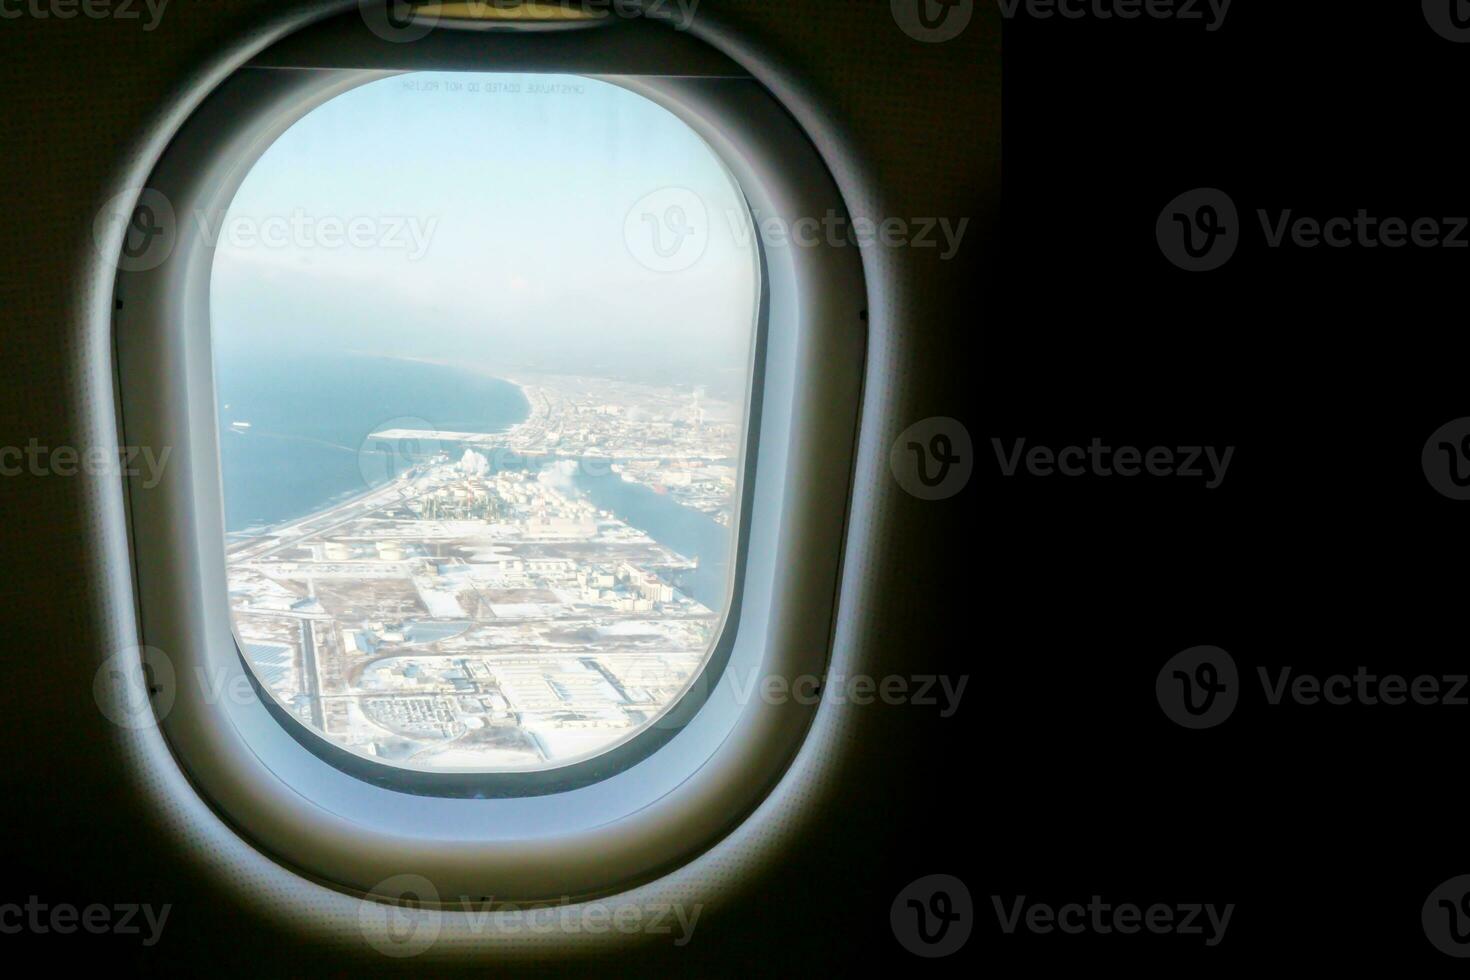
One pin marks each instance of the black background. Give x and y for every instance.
(1323, 550)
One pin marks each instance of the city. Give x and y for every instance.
(478, 611)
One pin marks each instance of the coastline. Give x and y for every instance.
(353, 495)
(595, 424)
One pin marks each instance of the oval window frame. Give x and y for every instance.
(625, 828)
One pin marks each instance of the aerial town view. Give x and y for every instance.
(475, 609)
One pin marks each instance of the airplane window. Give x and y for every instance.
(483, 352)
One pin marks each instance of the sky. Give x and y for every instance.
(496, 220)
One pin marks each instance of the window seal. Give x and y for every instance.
(652, 735)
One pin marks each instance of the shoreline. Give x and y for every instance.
(354, 496)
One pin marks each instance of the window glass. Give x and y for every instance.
(482, 350)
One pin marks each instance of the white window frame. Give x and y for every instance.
(610, 833)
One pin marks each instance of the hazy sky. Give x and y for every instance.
(494, 226)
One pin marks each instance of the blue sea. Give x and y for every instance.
(310, 418)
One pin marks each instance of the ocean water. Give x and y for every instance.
(679, 528)
(307, 446)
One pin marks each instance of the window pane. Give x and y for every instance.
(483, 354)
